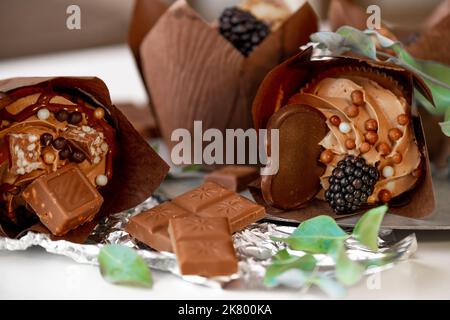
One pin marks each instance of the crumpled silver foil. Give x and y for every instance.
(253, 245)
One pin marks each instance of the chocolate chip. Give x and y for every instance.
(64, 154)
(62, 115)
(75, 117)
(77, 156)
(59, 143)
(46, 139)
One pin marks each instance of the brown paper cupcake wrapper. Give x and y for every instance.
(137, 168)
(286, 79)
(193, 73)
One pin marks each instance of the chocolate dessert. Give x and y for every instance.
(368, 154)
(59, 149)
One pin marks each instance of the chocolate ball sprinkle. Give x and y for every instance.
(371, 125)
(371, 137)
(335, 121)
(357, 97)
(59, 143)
(395, 134)
(46, 139)
(64, 154)
(403, 119)
(352, 111)
(75, 117)
(77, 156)
(326, 156)
(62, 115)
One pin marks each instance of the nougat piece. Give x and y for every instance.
(90, 141)
(25, 153)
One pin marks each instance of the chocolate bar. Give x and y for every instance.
(150, 227)
(64, 199)
(203, 246)
(209, 200)
(235, 178)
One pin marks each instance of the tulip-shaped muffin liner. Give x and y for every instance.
(137, 170)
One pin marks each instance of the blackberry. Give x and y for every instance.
(351, 184)
(242, 29)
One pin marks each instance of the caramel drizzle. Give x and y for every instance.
(44, 102)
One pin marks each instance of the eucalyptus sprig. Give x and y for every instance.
(322, 237)
(435, 75)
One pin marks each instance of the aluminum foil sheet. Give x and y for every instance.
(253, 245)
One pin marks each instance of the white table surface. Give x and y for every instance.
(35, 274)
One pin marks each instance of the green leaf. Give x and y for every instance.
(445, 126)
(367, 229)
(329, 285)
(315, 235)
(358, 41)
(330, 40)
(283, 262)
(192, 168)
(122, 265)
(348, 272)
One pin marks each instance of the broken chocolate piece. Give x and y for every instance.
(203, 246)
(150, 227)
(212, 200)
(235, 178)
(64, 199)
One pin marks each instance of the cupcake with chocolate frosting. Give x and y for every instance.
(361, 151)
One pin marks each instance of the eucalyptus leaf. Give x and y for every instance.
(330, 40)
(315, 235)
(329, 285)
(348, 272)
(283, 262)
(122, 265)
(445, 125)
(367, 229)
(358, 41)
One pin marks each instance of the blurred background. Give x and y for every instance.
(30, 27)
(35, 41)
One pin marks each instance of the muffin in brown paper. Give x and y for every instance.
(193, 72)
(99, 141)
(328, 86)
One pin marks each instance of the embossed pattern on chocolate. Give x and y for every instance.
(208, 201)
(203, 246)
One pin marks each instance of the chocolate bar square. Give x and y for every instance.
(203, 246)
(150, 227)
(209, 200)
(64, 199)
(235, 178)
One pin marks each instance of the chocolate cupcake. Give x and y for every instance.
(369, 154)
(62, 154)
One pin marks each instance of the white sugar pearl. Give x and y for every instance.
(101, 180)
(43, 114)
(388, 172)
(344, 127)
(390, 186)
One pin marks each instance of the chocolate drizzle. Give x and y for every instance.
(43, 101)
